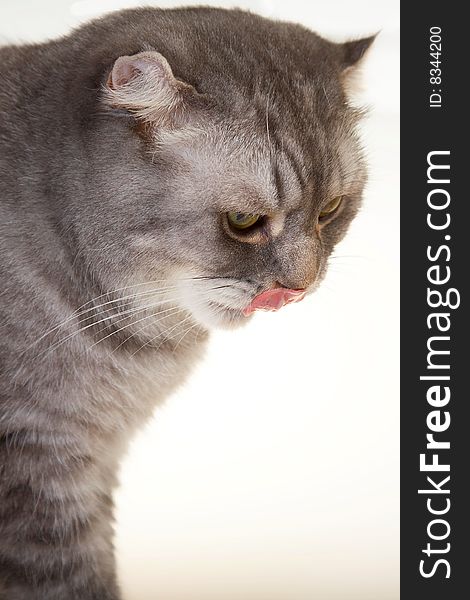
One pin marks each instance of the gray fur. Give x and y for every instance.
(113, 240)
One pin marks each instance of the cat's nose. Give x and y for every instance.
(274, 299)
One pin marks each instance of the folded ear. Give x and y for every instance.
(351, 53)
(144, 85)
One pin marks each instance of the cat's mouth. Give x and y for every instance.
(227, 303)
(273, 300)
(270, 300)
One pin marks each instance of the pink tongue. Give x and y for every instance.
(273, 300)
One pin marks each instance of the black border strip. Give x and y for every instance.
(424, 129)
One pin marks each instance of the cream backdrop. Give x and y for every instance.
(273, 474)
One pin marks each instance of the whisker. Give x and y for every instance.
(165, 333)
(172, 309)
(86, 313)
(184, 335)
(160, 334)
(78, 314)
(126, 288)
(135, 297)
(125, 315)
(109, 317)
(143, 328)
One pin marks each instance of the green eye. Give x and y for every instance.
(330, 208)
(239, 220)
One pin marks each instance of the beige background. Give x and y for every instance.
(273, 475)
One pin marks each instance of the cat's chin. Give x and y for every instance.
(216, 316)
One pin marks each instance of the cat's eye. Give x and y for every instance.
(330, 208)
(242, 221)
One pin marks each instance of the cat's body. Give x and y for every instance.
(104, 246)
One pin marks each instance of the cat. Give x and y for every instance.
(162, 173)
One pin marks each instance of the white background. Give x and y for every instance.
(273, 475)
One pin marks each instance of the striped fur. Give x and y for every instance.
(113, 260)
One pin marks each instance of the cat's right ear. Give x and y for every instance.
(144, 85)
(351, 55)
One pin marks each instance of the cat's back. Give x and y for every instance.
(26, 101)
(21, 70)
(13, 60)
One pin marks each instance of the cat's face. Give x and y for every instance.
(255, 187)
(246, 214)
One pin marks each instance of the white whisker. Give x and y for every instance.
(108, 318)
(184, 335)
(172, 310)
(148, 342)
(78, 313)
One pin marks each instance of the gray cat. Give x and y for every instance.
(162, 172)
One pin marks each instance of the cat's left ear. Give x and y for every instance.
(144, 86)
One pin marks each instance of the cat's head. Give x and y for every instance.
(253, 169)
